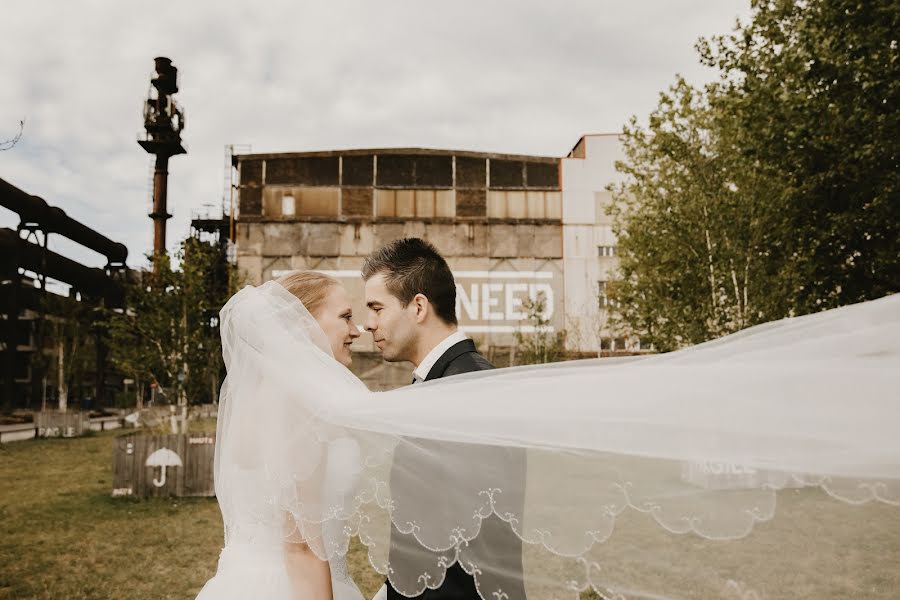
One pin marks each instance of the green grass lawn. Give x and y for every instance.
(63, 536)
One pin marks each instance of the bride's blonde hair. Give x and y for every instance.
(311, 287)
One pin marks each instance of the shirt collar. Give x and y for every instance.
(432, 357)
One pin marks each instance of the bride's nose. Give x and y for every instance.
(354, 330)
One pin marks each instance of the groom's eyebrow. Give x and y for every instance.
(373, 304)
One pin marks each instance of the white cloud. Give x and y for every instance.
(521, 77)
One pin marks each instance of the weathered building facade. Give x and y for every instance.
(496, 218)
(590, 248)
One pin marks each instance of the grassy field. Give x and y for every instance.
(63, 536)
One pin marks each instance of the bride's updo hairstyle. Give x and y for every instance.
(310, 287)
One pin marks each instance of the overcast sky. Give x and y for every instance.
(289, 75)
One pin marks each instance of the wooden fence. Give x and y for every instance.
(148, 466)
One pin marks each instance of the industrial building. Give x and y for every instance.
(590, 253)
(503, 222)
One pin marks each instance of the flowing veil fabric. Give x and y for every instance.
(761, 465)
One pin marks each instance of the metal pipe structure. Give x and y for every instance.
(35, 211)
(88, 281)
(16, 253)
(36, 215)
(8, 260)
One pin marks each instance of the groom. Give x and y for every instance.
(411, 297)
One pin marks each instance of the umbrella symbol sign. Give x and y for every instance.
(163, 458)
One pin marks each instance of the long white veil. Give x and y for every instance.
(762, 465)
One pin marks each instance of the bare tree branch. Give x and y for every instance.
(8, 144)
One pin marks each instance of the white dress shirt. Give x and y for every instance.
(432, 357)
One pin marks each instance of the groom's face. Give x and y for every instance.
(392, 325)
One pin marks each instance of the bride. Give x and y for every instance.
(764, 464)
(266, 553)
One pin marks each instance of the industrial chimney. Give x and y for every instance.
(163, 123)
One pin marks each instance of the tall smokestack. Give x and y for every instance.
(163, 123)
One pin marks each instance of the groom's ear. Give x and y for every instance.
(422, 306)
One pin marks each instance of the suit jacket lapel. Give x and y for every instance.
(456, 350)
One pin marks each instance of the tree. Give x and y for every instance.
(773, 191)
(169, 333)
(812, 89)
(8, 144)
(72, 323)
(208, 283)
(541, 344)
(689, 236)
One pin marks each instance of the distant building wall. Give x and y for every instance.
(589, 244)
(497, 219)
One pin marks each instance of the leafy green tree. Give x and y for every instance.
(541, 344)
(772, 191)
(169, 333)
(690, 240)
(72, 327)
(209, 282)
(812, 90)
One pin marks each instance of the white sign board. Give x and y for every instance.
(488, 301)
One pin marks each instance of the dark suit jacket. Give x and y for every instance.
(461, 357)
(413, 471)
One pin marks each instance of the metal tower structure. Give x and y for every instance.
(163, 124)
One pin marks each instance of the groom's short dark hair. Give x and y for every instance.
(413, 266)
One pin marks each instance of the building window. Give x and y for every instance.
(602, 297)
(618, 344)
(22, 367)
(524, 205)
(606, 251)
(298, 201)
(288, 206)
(23, 337)
(415, 203)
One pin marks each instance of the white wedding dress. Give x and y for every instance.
(252, 563)
(254, 471)
(761, 465)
